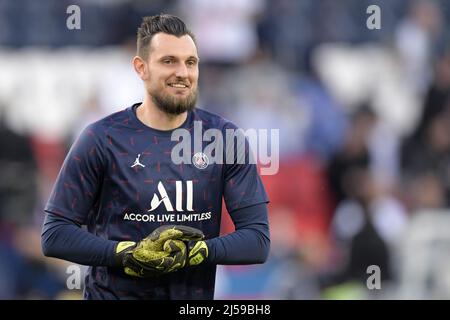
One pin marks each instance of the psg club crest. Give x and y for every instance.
(200, 160)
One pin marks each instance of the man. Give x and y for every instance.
(119, 179)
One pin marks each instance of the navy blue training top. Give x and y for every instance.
(120, 181)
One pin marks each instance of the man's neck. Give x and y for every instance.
(153, 117)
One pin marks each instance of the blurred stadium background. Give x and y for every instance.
(364, 119)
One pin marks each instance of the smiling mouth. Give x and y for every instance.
(178, 85)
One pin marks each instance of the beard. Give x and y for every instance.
(174, 105)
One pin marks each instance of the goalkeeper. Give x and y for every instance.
(147, 226)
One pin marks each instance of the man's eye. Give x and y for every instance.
(191, 63)
(167, 61)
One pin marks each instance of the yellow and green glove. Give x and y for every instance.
(193, 250)
(191, 253)
(197, 252)
(163, 251)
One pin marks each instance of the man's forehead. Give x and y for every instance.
(163, 44)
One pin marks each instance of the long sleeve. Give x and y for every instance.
(249, 244)
(63, 238)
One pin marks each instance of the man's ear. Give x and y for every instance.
(140, 66)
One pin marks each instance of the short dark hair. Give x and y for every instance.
(152, 25)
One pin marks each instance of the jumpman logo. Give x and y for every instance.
(137, 163)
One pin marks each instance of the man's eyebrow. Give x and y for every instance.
(176, 58)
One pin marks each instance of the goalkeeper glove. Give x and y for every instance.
(161, 252)
(190, 253)
(123, 248)
(196, 251)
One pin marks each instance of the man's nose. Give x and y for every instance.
(181, 71)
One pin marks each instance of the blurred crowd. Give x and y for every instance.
(364, 120)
